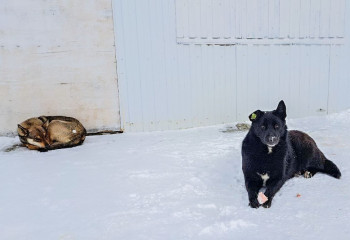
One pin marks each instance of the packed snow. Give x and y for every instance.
(185, 184)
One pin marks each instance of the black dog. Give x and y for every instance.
(271, 155)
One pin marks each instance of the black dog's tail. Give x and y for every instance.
(331, 169)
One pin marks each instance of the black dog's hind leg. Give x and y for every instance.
(323, 165)
(272, 188)
(253, 188)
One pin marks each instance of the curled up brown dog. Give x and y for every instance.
(51, 132)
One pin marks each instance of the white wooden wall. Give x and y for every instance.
(271, 21)
(186, 63)
(57, 57)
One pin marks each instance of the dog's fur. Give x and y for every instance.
(271, 155)
(51, 132)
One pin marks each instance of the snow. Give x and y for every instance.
(184, 184)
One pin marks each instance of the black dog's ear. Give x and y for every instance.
(255, 115)
(281, 110)
(22, 131)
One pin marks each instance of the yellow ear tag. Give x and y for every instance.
(253, 116)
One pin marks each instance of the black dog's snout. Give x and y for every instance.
(272, 139)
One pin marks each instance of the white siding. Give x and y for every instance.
(167, 84)
(285, 21)
(58, 58)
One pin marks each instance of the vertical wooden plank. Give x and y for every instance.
(244, 19)
(171, 65)
(204, 17)
(210, 16)
(337, 18)
(325, 9)
(198, 89)
(304, 24)
(304, 76)
(284, 18)
(259, 19)
(314, 18)
(293, 83)
(212, 80)
(319, 70)
(134, 100)
(294, 18)
(232, 18)
(185, 19)
(191, 84)
(314, 80)
(230, 91)
(274, 15)
(218, 18)
(264, 82)
(252, 18)
(226, 19)
(242, 81)
(205, 83)
(220, 84)
(215, 83)
(264, 22)
(184, 82)
(239, 18)
(194, 13)
(180, 16)
(252, 78)
(274, 73)
(145, 65)
(324, 63)
(121, 55)
(339, 84)
(342, 13)
(159, 77)
(284, 76)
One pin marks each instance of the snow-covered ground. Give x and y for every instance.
(184, 184)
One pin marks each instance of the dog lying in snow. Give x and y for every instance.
(51, 132)
(271, 155)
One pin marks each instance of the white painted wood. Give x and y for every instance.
(184, 82)
(194, 18)
(304, 23)
(274, 16)
(263, 10)
(291, 20)
(337, 18)
(205, 11)
(239, 19)
(180, 17)
(232, 5)
(58, 58)
(294, 23)
(315, 8)
(252, 19)
(325, 11)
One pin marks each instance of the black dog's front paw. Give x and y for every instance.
(254, 203)
(267, 204)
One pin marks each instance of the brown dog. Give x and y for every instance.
(51, 132)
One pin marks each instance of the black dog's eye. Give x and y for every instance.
(276, 126)
(263, 127)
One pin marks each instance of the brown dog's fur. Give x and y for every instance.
(51, 132)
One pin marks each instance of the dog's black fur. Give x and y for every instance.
(269, 148)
